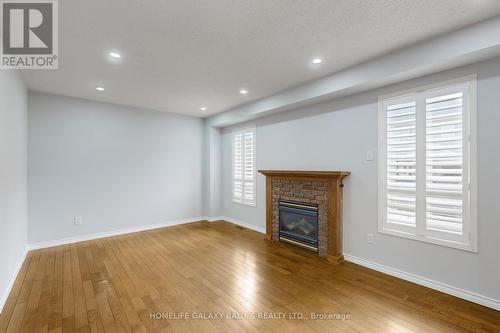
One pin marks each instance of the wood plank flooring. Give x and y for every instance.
(164, 280)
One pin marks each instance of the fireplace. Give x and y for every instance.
(304, 208)
(298, 224)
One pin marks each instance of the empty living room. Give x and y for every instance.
(249, 166)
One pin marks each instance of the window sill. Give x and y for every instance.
(427, 239)
(245, 203)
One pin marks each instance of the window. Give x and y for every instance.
(244, 166)
(427, 164)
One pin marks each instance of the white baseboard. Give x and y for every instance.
(457, 292)
(209, 219)
(213, 219)
(262, 230)
(105, 234)
(8, 289)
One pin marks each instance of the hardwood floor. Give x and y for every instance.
(118, 284)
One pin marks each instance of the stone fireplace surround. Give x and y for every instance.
(323, 188)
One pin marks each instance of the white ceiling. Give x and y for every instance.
(180, 55)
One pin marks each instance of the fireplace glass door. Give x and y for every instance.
(298, 224)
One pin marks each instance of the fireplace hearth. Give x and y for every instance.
(298, 224)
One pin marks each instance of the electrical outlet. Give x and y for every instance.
(77, 220)
(369, 155)
(370, 238)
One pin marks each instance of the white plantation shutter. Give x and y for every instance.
(401, 163)
(249, 166)
(244, 166)
(426, 168)
(238, 167)
(444, 162)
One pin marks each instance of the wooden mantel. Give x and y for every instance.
(334, 211)
(305, 174)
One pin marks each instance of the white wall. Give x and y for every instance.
(211, 170)
(336, 135)
(13, 145)
(215, 153)
(117, 167)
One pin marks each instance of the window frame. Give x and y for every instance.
(242, 131)
(467, 241)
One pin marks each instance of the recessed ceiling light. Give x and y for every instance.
(99, 88)
(243, 91)
(317, 61)
(115, 55)
(203, 108)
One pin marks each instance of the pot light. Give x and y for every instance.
(203, 108)
(115, 55)
(317, 61)
(99, 88)
(243, 91)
